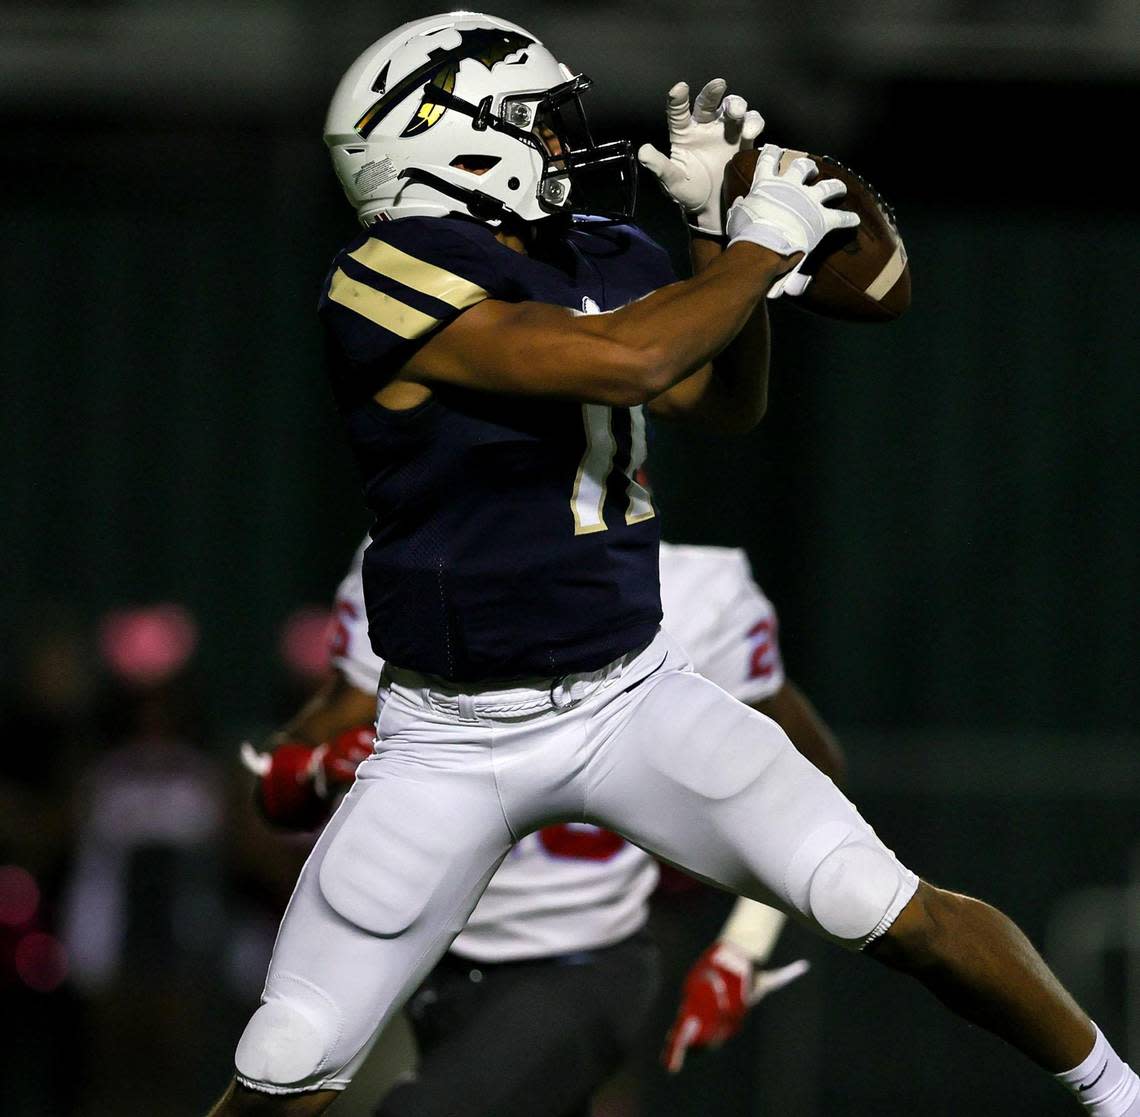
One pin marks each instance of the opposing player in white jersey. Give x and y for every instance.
(563, 975)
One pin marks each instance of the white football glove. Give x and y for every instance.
(700, 144)
(783, 213)
(791, 283)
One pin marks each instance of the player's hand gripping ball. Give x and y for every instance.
(857, 275)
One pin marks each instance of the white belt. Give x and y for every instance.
(562, 693)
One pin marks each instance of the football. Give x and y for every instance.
(860, 274)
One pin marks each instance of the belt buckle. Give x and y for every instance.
(561, 695)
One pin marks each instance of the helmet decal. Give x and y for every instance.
(483, 44)
(429, 112)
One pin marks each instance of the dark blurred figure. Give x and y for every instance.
(264, 861)
(45, 711)
(144, 918)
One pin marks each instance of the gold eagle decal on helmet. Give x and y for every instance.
(483, 44)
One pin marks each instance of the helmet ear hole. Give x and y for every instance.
(476, 164)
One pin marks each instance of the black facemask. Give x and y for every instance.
(602, 178)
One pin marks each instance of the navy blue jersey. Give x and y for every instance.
(510, 539)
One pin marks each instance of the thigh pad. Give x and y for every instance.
(387, 860)
(692, 709)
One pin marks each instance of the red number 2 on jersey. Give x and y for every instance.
(762, 662)
(344, 614)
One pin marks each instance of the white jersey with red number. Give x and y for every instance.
(718, 614)
(575, 886)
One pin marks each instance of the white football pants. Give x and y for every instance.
(644, 747)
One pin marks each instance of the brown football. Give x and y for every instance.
(860, 274)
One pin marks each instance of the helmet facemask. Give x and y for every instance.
(574, 167)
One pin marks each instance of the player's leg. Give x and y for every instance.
(527, 1037)
(979, 963)
(705, 782)
(241, 1101)
(388, 885)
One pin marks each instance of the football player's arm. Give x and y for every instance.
(623, 358)
(730, 394)
(791, 710)
(634, 354)
(336, 707)
(313, 758)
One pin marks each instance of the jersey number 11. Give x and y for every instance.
(613, 436)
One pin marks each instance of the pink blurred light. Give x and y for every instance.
(304, 641)
(147, 645)
(19, 896)
(41, 961)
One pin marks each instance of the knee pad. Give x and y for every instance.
(848, 882)
(287, 1042)
(857, 890)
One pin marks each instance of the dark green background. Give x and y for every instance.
(945, 510)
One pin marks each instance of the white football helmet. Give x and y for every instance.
(466, 112)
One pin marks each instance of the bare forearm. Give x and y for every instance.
(737, 391)
(623, 358)
(730, 393)
(335, 708)
(691, 323)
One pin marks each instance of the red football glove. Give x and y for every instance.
(718, 991)
(300, 782)
(343, 755)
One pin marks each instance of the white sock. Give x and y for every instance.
(1103, 1083)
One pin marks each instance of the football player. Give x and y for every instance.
(493, 341)
(548, 984)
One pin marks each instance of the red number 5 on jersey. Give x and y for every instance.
(581, 841)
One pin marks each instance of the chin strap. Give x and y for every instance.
(481, 206)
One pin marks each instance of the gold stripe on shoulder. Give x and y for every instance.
(379, 308)
(418, 274)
